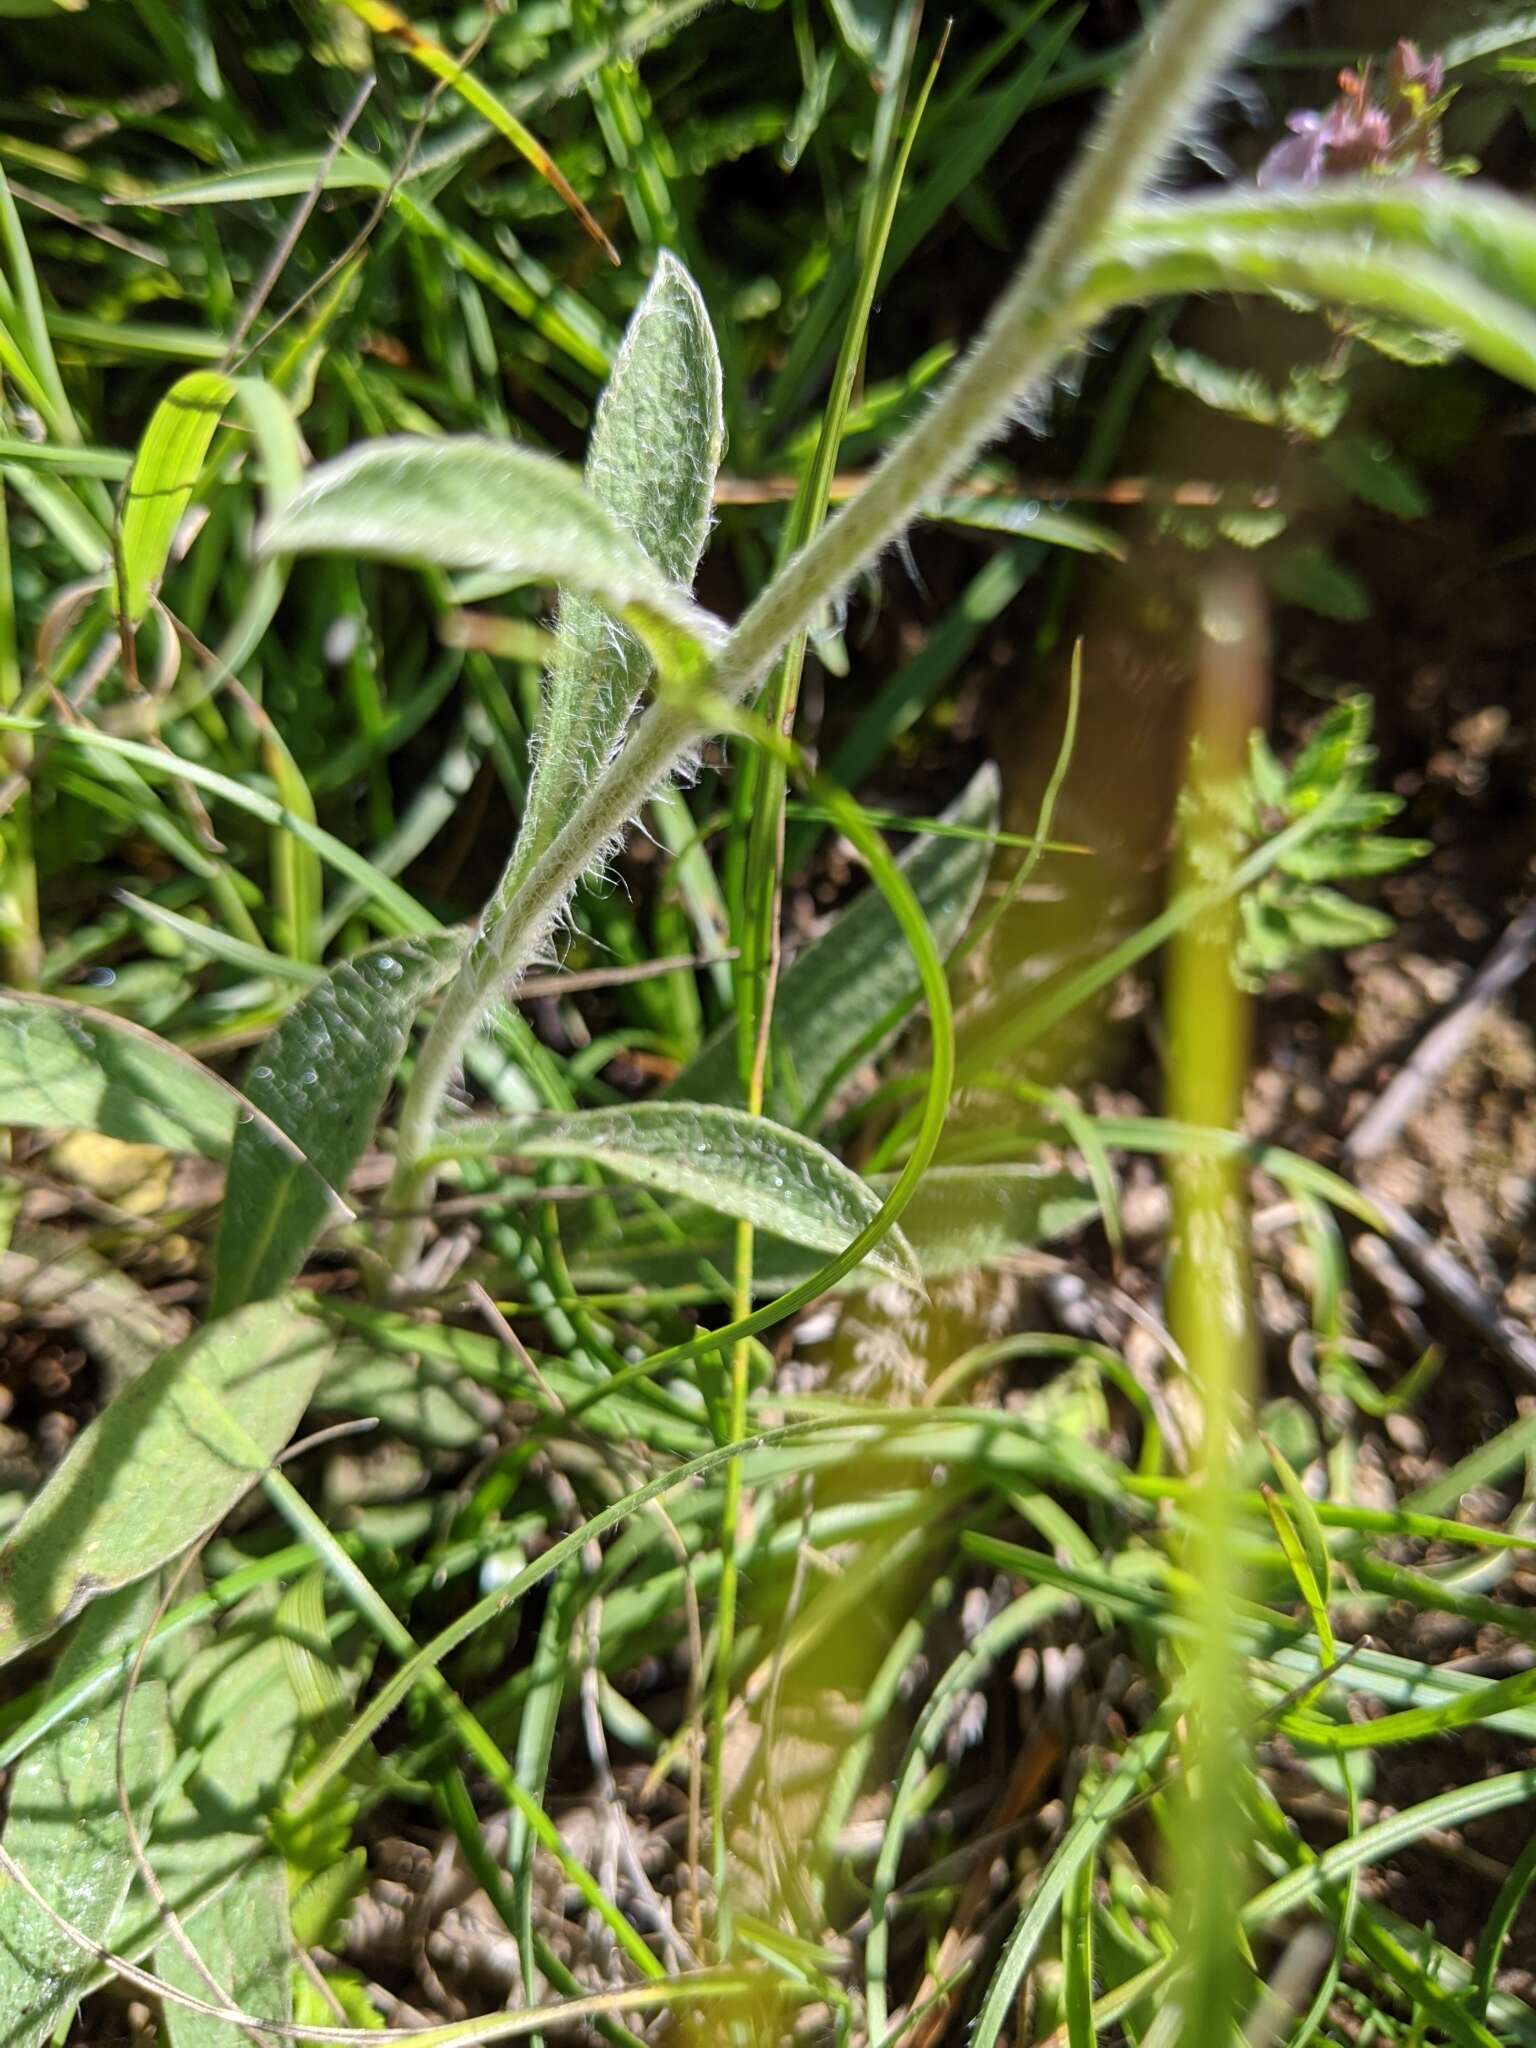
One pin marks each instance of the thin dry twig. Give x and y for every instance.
(1444, 1043)
(266, 284)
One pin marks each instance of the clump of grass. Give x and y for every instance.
(594, 1520)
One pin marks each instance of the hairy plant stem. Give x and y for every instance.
(1032, 326)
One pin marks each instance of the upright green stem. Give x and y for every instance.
(765, 785)
(1209, 1309)
(1034, 322)
(20, 945)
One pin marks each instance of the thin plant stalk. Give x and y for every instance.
(767, 788)
(1209, 1312)
(1035, 321)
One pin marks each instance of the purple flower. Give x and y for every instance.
(1359, 133)
(1300, 159)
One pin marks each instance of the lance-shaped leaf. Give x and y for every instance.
(463, 502)
(961, 1219)
(321, 1078)
(742, 1166)
(651, 462)
(160, 1466)
(847, 993)
(66, 1832)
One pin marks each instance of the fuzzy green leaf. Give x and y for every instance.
(1322, 917)
(742, 1166)
(1243, 393)
(159, 1467)
(236, 1722)
(321, 1078)
(962, 1219)
(1339, 856)
(63, 1068)
(651, 462)
(462, 502)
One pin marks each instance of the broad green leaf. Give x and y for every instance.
(66, 1831)
(170, 460)
(846, 994)
(743, 1166)
(467, 503)
(236, 1721)
(321, 1078)
(234, 1706)
(160, 1466)
(962, 1218)
(1439, 254)
(63, 1068)
(242, 1937)
(651, 462)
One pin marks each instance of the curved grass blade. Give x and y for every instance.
(844, 996)
(159, 1467)
(321, 1078)
(386, 20)
(1030, 520)
(741, 1165)
(170, 460)
(1088, 1830)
